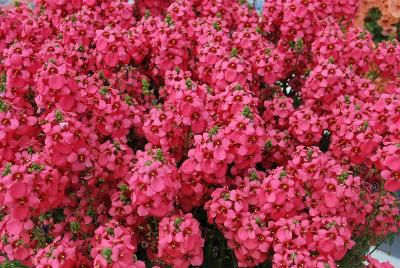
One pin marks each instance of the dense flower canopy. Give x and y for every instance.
(196, 132)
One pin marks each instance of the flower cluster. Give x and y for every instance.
(114, 246)
(180, 242)
(185, 132)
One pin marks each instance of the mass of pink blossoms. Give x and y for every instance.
(134, 134)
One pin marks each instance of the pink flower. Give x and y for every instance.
(306, 127)
(392, 180)
(114, 246)
(232, 68)
(334, 238)
(112, 47)
(116, 119)
(180, 242)
(373, 263)
(153, 183)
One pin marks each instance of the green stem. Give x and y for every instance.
(378, 245)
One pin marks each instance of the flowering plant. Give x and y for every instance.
(186, 133)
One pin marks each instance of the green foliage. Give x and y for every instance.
(12, 264)
(371, 24)
(59, 116)
(297, 46)
(234, 53)
(159, 156)
(128, 100)
(3, 81)
(168, 20)
(74, 226)
(214, 131)
(247, 112)
(41, 237)
(3, 106)
(189, 83)
(146, 87)
(107, 252)
(6, 170)
(217, 26)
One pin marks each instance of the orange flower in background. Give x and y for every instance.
(390, 10)
(394, 8)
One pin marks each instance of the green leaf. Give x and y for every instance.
(3, 82)
(128, 100)
(189, 83)
(107, 252)
(3, 105)
(12, 264)
(110, 231)
(234, 53)
(343, 176)
(268, 146)
(145, 87)
(247, 112)
(216, 26)
(104, 91)
(147, 14)
(168, 20)
(159, 155)
(253, 176)
(59, 116)
(74, 226)
(226, 196)
(213, 131)
(7, 169)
